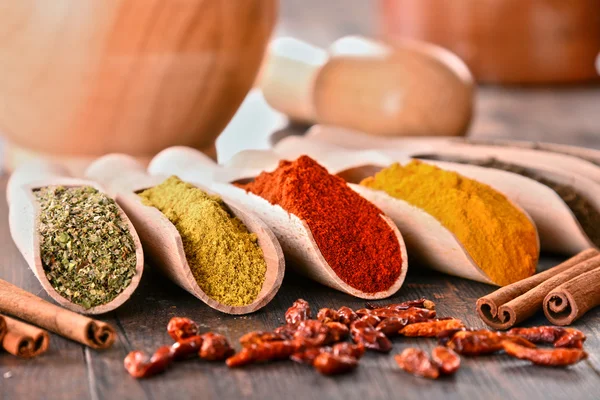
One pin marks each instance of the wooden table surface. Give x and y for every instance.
(70, 371)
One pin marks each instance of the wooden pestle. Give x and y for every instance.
(369, 86)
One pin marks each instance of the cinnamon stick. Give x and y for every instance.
(572, 299)
(24, 340)
(2, 328)
(24, 305)
(514, 303)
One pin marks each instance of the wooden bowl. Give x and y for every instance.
(507, 41)
(79, 79)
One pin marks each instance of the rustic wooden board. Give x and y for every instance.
(70, 371)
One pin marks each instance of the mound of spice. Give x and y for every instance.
(225, 259)
(86, 248)
(497, 235)
(587, 215)
(355, 241)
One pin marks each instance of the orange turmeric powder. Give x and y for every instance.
(498, 236)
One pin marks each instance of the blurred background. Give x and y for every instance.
(80, 79)
(533, 60)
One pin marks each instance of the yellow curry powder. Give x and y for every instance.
(497, 235)
(225, 259)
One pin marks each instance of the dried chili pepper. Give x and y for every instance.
(331, 364)
(446, 360)
(546, 357)
(266, 351)
(365, 334)
(445, 336)
(308, 356)
(139, 365)
(346, 315)
(299, 311)
(474, 343)
(431, 328)
(558, 336)
(572, 338)
(361, 312)
(518, 340)
(337, 331)
(370, 319)
(186, 347)
(346, 349)
(391, 326)
(215, 347)
(412, 314)
(405, 305)
(313, 333)
(483, 341)
(286, 331)
(251, 338)
(181, 328)
(328, 315)
(349, 349)
(417, 362)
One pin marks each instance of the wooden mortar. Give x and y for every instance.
(79, 79)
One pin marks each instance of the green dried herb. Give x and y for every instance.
(224, 257)
(87, 251)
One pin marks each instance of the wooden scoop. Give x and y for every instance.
(126, 177)
(416, 147)
(559, 230)
(23, 217)
(591, 155)
(427, 239)
(293, 233)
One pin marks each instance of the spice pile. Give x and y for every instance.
(497, 235)
(321, 342)
(356, 242)
(86, 249)
(225, 259)
(584, 211)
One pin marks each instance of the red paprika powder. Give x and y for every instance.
(357, 243)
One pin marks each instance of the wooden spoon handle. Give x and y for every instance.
(120, 173)
(187, 163)
(35, 171)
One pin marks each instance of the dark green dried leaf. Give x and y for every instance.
(87, 251)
